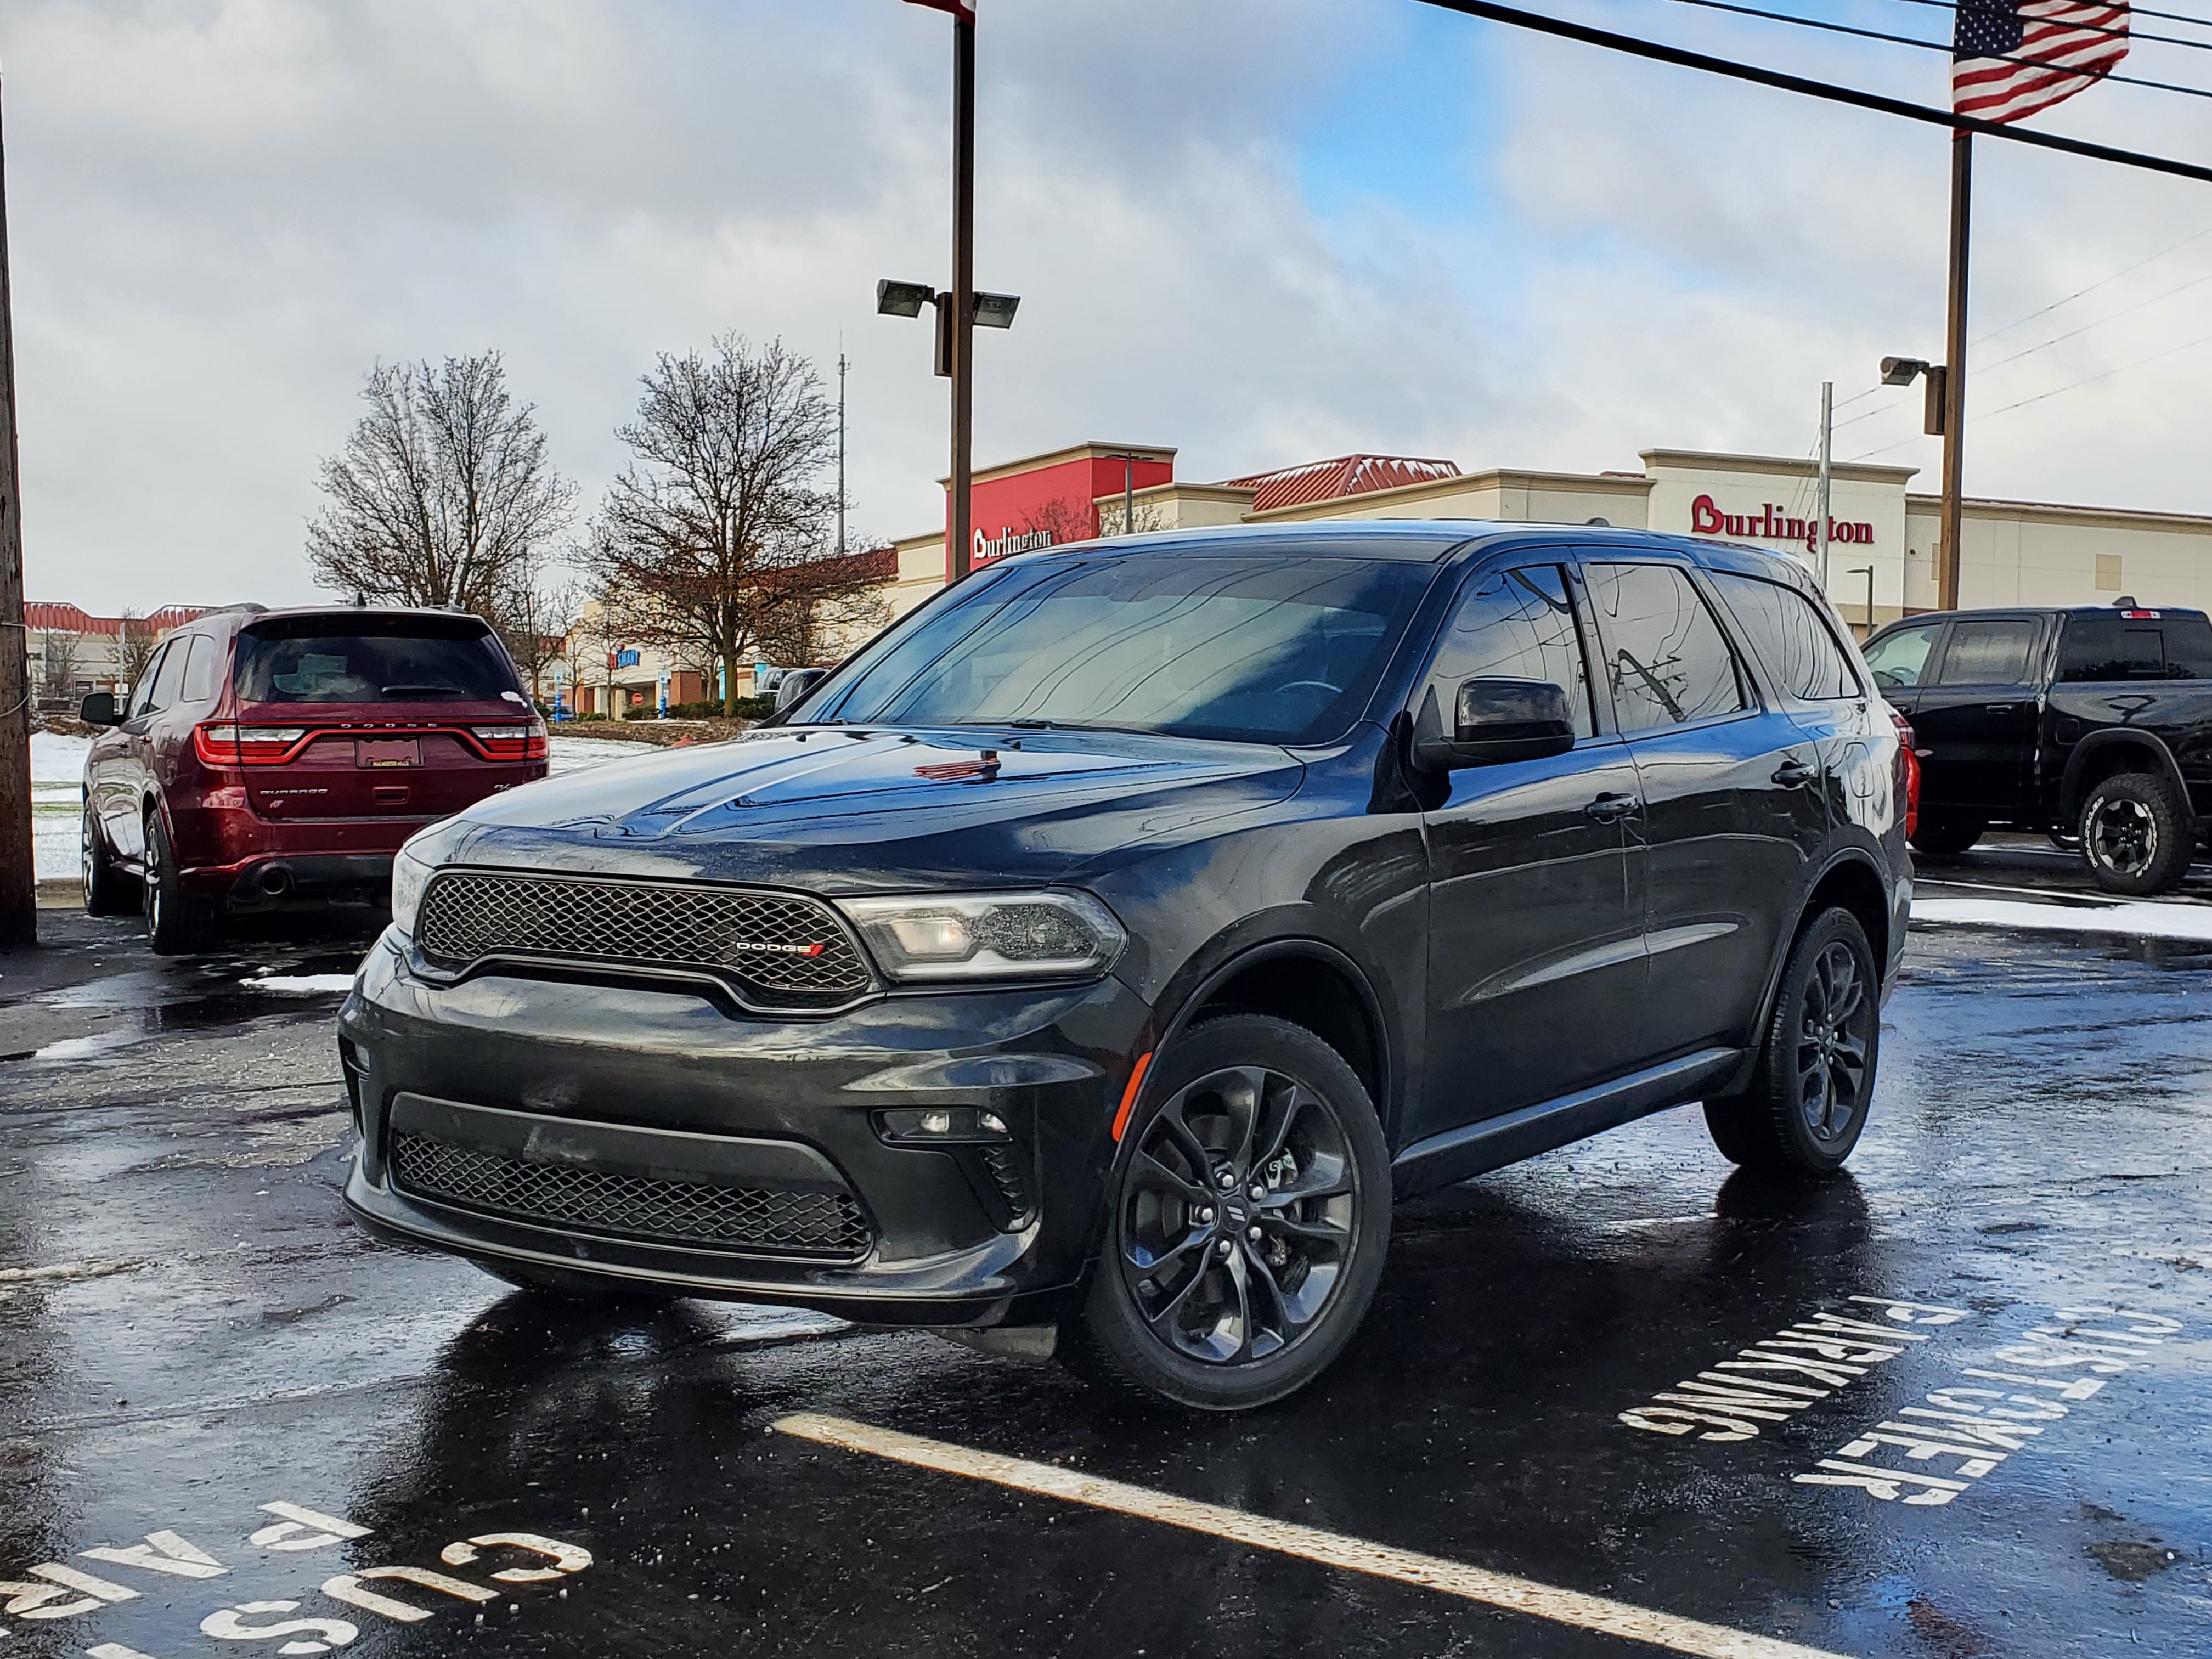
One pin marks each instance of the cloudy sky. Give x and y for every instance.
(1262, 231)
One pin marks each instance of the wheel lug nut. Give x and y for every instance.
(1258, 1191)
(1252, 1233)
(1223, 1248)
(1205, 1216)
(1145, 1287)
(1227, 1180)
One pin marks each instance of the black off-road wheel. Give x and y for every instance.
(1942, 836)
(2136, 835)
(1249, 1213)
(178, 922)
(1815, 1081)
(107, 891)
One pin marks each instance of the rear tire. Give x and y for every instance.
(1939, 836)
(178, 922)
(1815, 1081)
(2136, 835)
(107, 891)
(1205, 1297)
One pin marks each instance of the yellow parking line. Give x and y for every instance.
(1334, 1549)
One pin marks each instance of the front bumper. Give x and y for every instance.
(594, 1088)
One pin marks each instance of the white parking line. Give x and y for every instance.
(1334, 1549)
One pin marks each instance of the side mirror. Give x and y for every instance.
(99, 709)
(1501, 719)
(795, 684)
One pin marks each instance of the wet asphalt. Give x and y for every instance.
(1552, 1385)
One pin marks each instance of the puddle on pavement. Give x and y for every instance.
(185, 997)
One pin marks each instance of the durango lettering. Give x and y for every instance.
(1772, 524)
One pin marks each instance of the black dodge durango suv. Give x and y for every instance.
(1084, 965)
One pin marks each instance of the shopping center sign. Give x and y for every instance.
(1774, 524)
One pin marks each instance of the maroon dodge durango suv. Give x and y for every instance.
(268, 759)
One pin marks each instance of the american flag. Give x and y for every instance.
(2012, 57)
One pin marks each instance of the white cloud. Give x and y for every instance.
(224, 212)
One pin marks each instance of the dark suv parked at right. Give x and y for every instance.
(2092, 723)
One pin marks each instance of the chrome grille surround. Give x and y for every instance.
(776, 950)
(705, 1214)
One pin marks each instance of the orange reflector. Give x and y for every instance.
(1130, 1095)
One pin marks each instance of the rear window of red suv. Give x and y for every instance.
(308, 659)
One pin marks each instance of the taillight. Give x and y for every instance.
(222, 744)
(1909, 770)
(511, 743)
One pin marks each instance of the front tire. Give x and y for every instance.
(2136, 835)
(178, 922)
(107, 891)
(1249, 1215)
(1815, 1078)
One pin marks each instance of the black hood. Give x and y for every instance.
(876, 809)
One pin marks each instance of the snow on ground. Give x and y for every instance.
(2144, 918)
(576, 754)
(57, 801)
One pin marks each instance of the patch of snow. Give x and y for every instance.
(2140, 919)
(300, 985)
(581, 753)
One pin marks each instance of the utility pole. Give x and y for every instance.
(19, 879)
(964, 284)
(1128, 494)
(1954, 378)
(1827, 433)
(841, 451)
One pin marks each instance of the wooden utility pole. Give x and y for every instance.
(19, 878)
(1955, 377)
(963, 287)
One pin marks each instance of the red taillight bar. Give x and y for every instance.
(224, 743)
(1910, 760)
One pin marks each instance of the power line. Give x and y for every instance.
(1933, 45)
(2192, 282)
(1637, 47)
(2139, 11)
(2092, 28)
(2078, 293)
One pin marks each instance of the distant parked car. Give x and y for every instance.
(271, 759)
(2089, 722)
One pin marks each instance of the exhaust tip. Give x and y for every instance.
(276, 881)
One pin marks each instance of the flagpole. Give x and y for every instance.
(1955, 377)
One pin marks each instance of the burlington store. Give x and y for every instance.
(1882, 563)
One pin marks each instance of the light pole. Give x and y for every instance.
(984, 310)
(956, 321)
(1936, 420)
(1867, 572)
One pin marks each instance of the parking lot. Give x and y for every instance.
(1617, 1400)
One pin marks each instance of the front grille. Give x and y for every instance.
(784, 949)
(633, 1206)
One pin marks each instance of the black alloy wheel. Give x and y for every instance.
(2136, 834)
(177, 922)
(1815, 1078)
(107, 891)
(1249, 1216)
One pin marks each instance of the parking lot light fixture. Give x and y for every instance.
(903, 299)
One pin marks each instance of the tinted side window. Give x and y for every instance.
(2136, 648)
(169, 678)
(1898, 661)
(141, 694)
(200, 669)
(1515, 624)
(1790, 638)
(1987, 654)
(1667, 660)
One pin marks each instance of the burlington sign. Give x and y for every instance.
(1771, 523)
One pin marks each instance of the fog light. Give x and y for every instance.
(941, 1126)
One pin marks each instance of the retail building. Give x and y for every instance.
(1880, 562)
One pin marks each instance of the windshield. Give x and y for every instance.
(373, 659)
(1258, 649)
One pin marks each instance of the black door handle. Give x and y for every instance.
(1795, 774)
(1611, 805)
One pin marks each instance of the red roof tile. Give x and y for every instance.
(1345, 475)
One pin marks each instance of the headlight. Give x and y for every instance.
(988, 935)
(417, 862)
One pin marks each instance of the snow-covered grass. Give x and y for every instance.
(577, 754)
(2141, 918)
(57, 801)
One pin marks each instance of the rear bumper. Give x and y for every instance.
(601, 1089)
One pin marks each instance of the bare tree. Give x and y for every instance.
(1150, 516)
(443, 494)
(723, 496)
(539, 616)
(134, 648)
(816, 612)
(57, 662)
(1063, 519)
